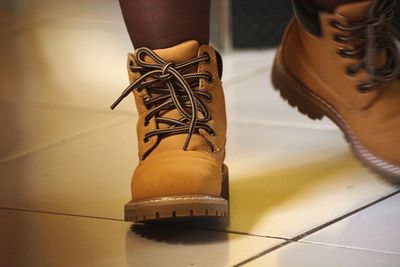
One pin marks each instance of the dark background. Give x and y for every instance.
(260, 23)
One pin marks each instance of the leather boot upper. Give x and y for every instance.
(332, 54)
(179, 155)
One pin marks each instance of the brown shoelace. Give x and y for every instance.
(376, 33)
(182, 94)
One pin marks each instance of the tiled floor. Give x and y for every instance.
(299, 198)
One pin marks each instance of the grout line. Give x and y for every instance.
(350, 247)
(276, 247)
(316, 229)
(126, 112)
(69, 107)
(121, 220)
(61, 214)
(62, 140)
(239, 233)
(265, 252)
(287, 124)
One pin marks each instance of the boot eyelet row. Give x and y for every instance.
(208, 61)
(210, 78)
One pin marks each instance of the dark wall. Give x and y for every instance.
(260, 23)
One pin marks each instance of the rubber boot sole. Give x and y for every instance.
(308, 103)
(180, 208)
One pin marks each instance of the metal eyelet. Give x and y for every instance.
(341, 52)
(351, 71)
(335, 24)
(337, 38)
(210, 77)
(362, 88)
(146, 100)
(208, 61)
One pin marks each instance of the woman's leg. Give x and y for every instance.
(331, 4)
(164, 23)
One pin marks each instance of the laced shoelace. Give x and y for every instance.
(374, 34)
(182, 93)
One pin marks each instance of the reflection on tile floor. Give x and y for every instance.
(358, 231)
(58, 240)
(311, 255)
(66, 161)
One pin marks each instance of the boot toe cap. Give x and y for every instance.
(177, 174)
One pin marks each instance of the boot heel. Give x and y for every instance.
(293, 91)
(225, 182)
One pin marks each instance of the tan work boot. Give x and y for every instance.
(181, 133)
(345, 65)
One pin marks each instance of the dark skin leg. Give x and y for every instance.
(331, 4)
(165, 23)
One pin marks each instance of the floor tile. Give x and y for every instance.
(288, 173)
(35, 239)
(21, 15)
(241, 66)
(255, 101)
(278, 188)
(41, 8)
(286, 181)
(376, 228)
(67, 63)
(76, 57)
(93, 10)
(63, 152)
(307, 255)
(32, 128)
(88, 176)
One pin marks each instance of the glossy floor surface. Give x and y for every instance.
(298, 197)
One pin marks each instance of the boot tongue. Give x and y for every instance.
(354, 12)
(179, 53)
(358, 12)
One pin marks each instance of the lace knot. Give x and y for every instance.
(180, 94)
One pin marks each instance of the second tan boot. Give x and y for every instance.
(345, 65)
(181, 133)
